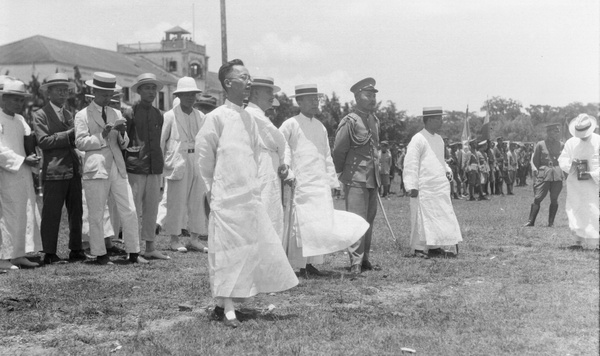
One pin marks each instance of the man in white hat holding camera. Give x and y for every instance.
(579, 159)
(100, 131)
(55, 132)
(315, 227)
(144, 159)
(272, 155)
(184, 190)
(19, 217)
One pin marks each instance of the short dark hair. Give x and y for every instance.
(228, 68)
(426, 118)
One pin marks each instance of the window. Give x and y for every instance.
(196, 70)
(172, 66)
(161, 100)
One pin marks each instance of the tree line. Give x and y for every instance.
(508, 118)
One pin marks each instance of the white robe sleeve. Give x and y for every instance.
(329, 167)
(207, 143)
(412, 163)
(9, 160)
(287, 131)
(565, 161)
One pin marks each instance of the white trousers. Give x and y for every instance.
(183, 199)
(96, 195)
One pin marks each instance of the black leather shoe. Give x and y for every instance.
(421, 254)
(103, 260)
(218, 314)
(77, 255)
(438, 252)
(50, 258)
(115, 251)
(312, 271)
(367, 266)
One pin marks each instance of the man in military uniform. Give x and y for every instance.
(547, 173)
(355, 159)
(500, 158)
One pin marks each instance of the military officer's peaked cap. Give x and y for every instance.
(367, 84)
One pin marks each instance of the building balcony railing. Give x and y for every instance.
(170, 45)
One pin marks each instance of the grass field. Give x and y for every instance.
(511, 291)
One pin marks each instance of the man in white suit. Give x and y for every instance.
(100, 132)
(184, 189)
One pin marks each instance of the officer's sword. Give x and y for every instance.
(385, 217)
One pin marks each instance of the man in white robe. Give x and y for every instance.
(272, 153)
(316, 228)
(579, 158)
(433, 222)
(19, 215)
(184, 190)
(245, 255)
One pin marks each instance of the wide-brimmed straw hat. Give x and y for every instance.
(305, 89)
(265, 82)
(103, 81)
(58, 79)
(583, 125)
(147, 78)
(14, 87)
(4, 78)
(186, 85)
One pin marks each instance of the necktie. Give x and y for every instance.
(104, 114)
(62, 115)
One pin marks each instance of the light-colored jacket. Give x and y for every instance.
(100, 153)
(175, 141)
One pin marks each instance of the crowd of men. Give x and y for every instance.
(259, 196)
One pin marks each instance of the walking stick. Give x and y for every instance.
(385, 217)
(290, 216)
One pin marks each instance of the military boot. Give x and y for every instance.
(552, 214)
(535, 209)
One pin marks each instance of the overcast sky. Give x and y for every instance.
(449, 53)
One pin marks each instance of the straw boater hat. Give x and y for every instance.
(305, 89)
(187, 85)
(146, 78)
(265, 82)
(103, 81)
(14, 87)
(433, 111)
(582, 126)
(367, 84)
(56, 79)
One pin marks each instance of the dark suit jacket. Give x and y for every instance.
(60, 161)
